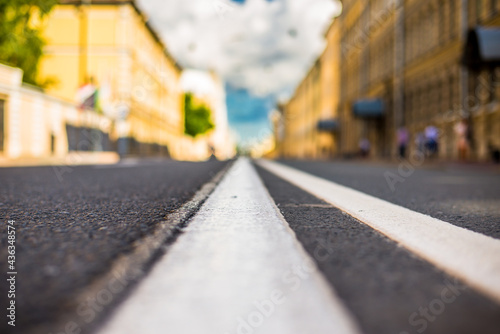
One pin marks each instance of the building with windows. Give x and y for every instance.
(413, 64)
(440, 88)
(111, 44)
(367, 107)
(407, 57)
(301, 114)
(36, 128)
(309, 119)
(328, 124)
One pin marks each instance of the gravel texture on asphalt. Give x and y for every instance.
(71, 223)
(464, 196)
(387, 289)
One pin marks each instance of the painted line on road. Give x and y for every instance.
(467, 255)
(237, 268)
(132, 266)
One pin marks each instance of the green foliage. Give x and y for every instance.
(21, 44)
(197, 120)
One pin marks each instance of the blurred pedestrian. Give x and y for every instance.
(364, 147)
(462, 131)
(402, 140)
(431, 140)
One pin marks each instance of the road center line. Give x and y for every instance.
(467, 255)
(237, 268)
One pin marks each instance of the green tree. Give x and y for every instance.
(197, 118)
(21, 43)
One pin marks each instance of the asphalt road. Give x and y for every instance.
(388, 289)
(72, 222)
(234, 269)
(464, 196)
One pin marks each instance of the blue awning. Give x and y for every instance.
(482, 47)
(369, 108)
(328, 125)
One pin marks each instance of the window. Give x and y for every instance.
(408, 101)
(439, 97)
(453, 18)
(451, 101)
(491, 86)
(441, 23)
(479, 10)
(496, 84)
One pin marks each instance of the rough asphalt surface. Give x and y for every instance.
(71, 223)
(464, 196)
(387, 289)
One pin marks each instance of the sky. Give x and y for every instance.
(261, 48)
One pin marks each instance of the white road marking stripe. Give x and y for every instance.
(234, 270)
(470, 256)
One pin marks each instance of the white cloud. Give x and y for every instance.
(264, 46)
(199, 83)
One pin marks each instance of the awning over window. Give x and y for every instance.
(328, 125)
(482, 47)
(369, 108)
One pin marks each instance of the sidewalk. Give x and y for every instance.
(72, 159)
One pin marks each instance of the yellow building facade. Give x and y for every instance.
(301, 115)
(112, 42)
(367, 74)
(309, 118)
(36, 128)
(404, 63)
(408, 56)
(440, 89)
(328, 124)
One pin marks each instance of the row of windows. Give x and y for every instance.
(438, 97)
(434, 98)
(381, 59)
(350, 80)
(484, 87)
(429, 27)
(480, 10)
(356, 37)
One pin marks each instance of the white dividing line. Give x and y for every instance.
(236, 269)
(470, 256)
